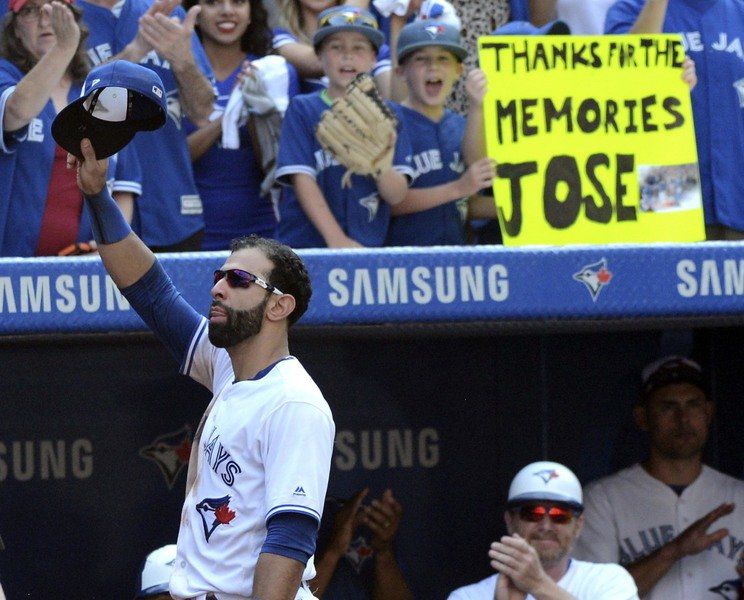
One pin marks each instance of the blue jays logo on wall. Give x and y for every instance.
(728, 589)
(358, 553)
(170, 452)
(594, 276)
(221, 511)
(546, 475)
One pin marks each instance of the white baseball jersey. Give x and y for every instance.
(265, 448)
(583, 580)
(630, 514)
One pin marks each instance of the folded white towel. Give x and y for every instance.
(267, 91)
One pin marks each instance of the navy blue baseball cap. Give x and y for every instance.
(421, 34)
(670, 370)
(348, 18)
(118, 99)
(526, 28)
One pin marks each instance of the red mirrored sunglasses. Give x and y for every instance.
(237, 278)
(534, 513)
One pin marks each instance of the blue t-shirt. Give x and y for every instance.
(713, 34)
(437, 159)
(359, 210)
(229, 181)
(169, 210)
(283, 37)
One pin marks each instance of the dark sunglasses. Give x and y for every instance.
(348, 17)
(557, 514)
(237, 278)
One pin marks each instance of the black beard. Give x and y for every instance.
(239, 326)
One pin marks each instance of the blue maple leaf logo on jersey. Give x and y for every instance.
(728, 589)
(220, 508)
(547, 475)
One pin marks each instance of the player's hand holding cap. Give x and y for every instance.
(118, 99)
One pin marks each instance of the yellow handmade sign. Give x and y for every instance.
(594, 139)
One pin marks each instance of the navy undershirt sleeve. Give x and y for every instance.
(164, 310)
(292, 535)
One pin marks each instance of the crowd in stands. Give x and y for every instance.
(222, 166)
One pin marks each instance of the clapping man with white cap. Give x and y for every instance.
(544, 518)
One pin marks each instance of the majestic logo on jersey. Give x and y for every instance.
(170, 452)
(216, 510)
(174, 107)
(594, 276)
(372, 204)
(299, 491)
(739, 87)
(358, 553)
(546, 475)
(728, 589)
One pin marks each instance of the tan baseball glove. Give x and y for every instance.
(359, 130)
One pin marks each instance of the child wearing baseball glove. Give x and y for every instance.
(341, 172)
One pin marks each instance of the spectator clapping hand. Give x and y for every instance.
(382, 517)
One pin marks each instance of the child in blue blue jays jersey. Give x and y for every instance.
(430, 56)
(315, 209)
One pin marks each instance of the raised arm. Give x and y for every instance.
(125, 256)
(34, 90)
(130, 262)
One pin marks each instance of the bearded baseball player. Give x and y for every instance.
(677, 524)
(261, 455)
(543, 519)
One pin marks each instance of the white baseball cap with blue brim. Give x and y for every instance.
(425, 33)
(118, 99)
(548, 482)
(348, 18)
(557, 27)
